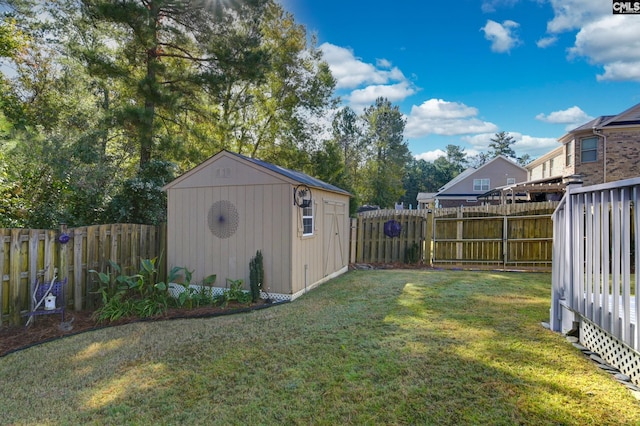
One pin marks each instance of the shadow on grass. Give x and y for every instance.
(371, 347)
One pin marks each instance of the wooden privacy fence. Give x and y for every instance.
(30, 254)
(373, 245)
(513, 235)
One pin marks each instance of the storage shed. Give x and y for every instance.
(226, 209)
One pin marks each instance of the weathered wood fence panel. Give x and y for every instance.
(374, 246)
(506, 241)
(30, 254)
(514, 235)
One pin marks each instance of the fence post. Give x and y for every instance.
(63, 265)
(78, 273)
(353, 239)
(459, 233)
(427, 232)
(505, 243)
(15, 264)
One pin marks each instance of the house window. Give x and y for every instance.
(481, 184)
(307, 220)
(511, 181)
(569, 154)
(589, 150)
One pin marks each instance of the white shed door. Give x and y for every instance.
(333, 236)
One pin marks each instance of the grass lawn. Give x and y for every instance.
(371, 347)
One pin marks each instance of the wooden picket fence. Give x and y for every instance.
(27, 255)
(503, 236)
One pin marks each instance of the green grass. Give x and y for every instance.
(371, 347)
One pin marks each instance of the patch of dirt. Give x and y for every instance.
(50, 327)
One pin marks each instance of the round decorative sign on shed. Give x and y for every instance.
(223, 219)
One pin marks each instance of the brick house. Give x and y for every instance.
(605, 149)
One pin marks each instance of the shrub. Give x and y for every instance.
(190, 296)
(131, 295)
(256, 276)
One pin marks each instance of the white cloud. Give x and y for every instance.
(574, 14)
(572, 117)
(431, 156)
(546, 42)
(383, 63)
(489, 6)
(612, 41)
(532, 145)
(362, 98)
(440, 117)
(351, 72)
(524, 144)
(502, 36)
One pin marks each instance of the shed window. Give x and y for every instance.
(307, 220)
(481, 184)
(589, 150)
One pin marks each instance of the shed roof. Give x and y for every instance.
(292, 175)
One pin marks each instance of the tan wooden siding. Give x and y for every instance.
(226, 171)
(310, 253)
(264, 213)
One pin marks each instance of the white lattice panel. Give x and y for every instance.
(176, 289)
(610, 349)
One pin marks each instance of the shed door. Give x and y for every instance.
(333, 236)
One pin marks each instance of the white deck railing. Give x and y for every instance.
(596, 231)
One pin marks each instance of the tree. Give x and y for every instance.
(524, 160)
(347, 134)
(501, 144)
(385, 168)
(274, 118)
(12, 39)
(167, 52)
(107, 87)
(479, 160)
(420, 176)
(457, 159)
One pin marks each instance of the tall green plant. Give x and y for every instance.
(138, 295)
(189, 295)
(256, 275)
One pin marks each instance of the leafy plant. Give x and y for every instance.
(191, 296)
(138, 295)
(256, 276)
(234, 292)
(412, 254)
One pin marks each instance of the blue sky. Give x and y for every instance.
(462, 71)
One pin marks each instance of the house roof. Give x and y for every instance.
(628, 118)
(425, 196)
(293, 176)
(457, 179)
(468, 172)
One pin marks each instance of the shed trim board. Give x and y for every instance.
(265, 217)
